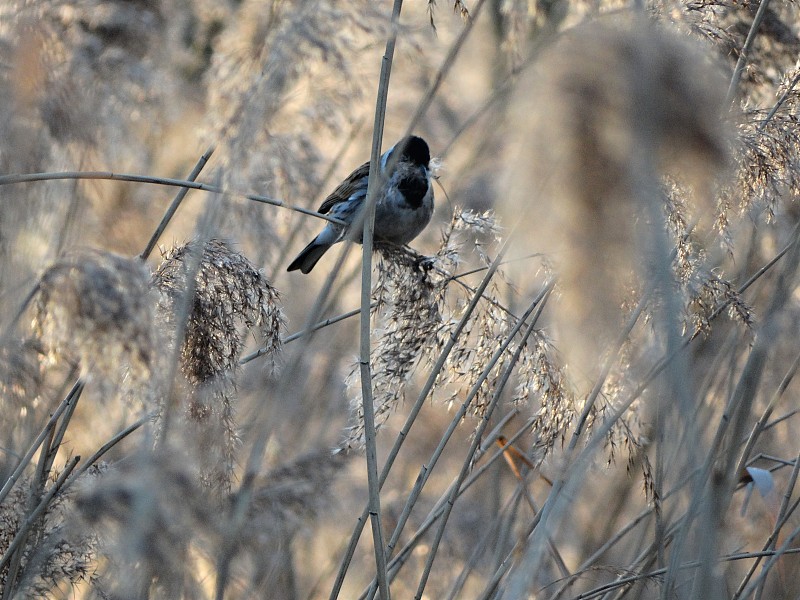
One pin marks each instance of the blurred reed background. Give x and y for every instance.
(582, 372)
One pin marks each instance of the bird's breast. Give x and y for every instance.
(404, 210)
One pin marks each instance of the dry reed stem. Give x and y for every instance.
(374, 186)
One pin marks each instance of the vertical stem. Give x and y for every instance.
(748, 44)
(414, 412)
(375, 184)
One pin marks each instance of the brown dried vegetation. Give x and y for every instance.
(593, 360)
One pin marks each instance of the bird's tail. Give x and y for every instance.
(306, 260)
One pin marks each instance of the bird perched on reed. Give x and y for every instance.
(404, 206)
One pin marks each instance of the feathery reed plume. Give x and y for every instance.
(598, 92)
(700, 19)
(768, 159)
(91, 72)
(229, 292)
(541, 377)
(416, 312)
(487, 327)
(264, 58)
(59, 552)
(295, 490)
(286, 500)
(409, 292)
(776, 45)
(149, 511)
(726, 25)
(705, 292)
(211, 432)
(152, 513)
(702, 290)
(95, 307)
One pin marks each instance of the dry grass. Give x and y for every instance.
(578, 379)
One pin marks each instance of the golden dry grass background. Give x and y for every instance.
(637, 205)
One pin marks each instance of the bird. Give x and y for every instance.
(404, 206)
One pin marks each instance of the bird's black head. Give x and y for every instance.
(415, 149)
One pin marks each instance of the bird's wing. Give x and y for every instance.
(355, 181)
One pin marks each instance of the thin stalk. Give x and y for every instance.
(656, 370)
(37, 486)
(176, 202)
(480, 547)
(779, 103)
(781, 419)
(753, 366)
(72, 396)
(748, 44)
(586, 564)
(58, 436)
(784, 549)
(352, 313)
(46, 459)
(599, 434)
(721, 486)
(375, 183)
(538, 303)
(782, 516)
(465, 466)
(645, 559)
(759, 427)
(304, 332)
(98, 454)
(168, 181)
(719, 491)
(287, 390)
(649, 378)
(433, 515)
(606, 587)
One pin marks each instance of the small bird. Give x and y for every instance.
(404, 206)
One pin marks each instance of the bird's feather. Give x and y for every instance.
(355, 181)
